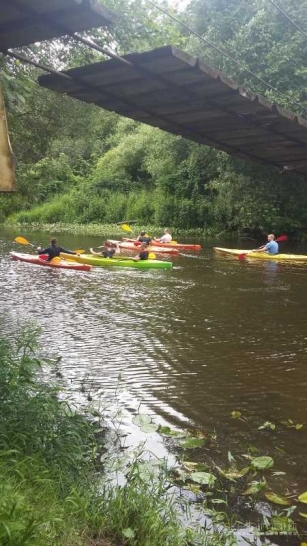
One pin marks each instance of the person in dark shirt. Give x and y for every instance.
(144, 252)
(108, 250)
(54, 250)
(143, 238)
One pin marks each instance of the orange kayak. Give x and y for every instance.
(171, 245)
(41, 260)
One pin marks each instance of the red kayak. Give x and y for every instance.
(42, 260)
(175, 246)
(132, 244)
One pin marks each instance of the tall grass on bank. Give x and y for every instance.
(47, 449)
(54, 490)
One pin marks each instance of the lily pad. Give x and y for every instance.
(141, 419)
(277, 499)
(236, 414)
(149, 427)
(204, 478)
(303, 497)
(303, 515)
(261, 463)
(167, 431)
(191, 443)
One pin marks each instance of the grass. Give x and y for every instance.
(56, 488)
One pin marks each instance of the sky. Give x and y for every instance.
(180, 4)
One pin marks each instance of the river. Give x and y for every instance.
(188, 345)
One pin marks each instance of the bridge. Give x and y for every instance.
(181, 94)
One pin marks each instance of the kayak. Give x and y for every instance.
(39, 260)
(130, 245)
(118, 262)
(262, 255)
(178, 246)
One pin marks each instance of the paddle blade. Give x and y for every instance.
(22, 241)
(151, 256)
(126, 228)
(242, 256)
(281, 239)
(79, 251)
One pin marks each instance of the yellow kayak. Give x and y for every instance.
(261, 255)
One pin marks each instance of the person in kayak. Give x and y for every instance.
(271, 247)
(166, 238)
(144, 252)
(143, 238)
(53, 251)
(108, 250)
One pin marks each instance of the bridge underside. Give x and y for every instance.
(23, 22)
(181, 94)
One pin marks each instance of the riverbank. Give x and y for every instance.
(101, 230)
(56, 484)
(105, 230)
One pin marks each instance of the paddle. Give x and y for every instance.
(278, 240)
(126, 228)
(23, 241)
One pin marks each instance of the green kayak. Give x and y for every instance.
(117, 262)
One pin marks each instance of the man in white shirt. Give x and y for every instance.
(166, 238)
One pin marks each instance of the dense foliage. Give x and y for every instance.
(78, 163)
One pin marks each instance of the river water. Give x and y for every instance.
(188, 345)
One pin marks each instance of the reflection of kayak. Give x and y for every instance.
(130, 245)
(177, 246)
(118, 262)
(262, 255)
(60, 263)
